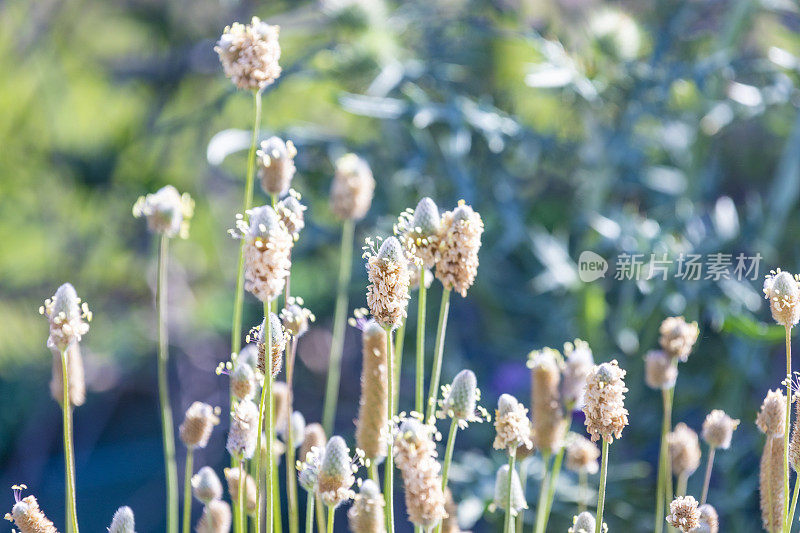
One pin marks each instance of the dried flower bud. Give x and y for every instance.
(709, 520)
(216, 518)
(232, 476)
(313, 436)
(415, 455)
(267, 253)
(387, 294)
(295, 318)
(352, 188)
(123, 521)
(462, 396)
(66, 314)
(585, 523)
(308, 468)
(373, 410)
(276, 165)
(336, 473)
(280, 412)
(198, 424)
(678, 337)
(27, 515)
(167, 211)
(243, 381)
(292, 214)
(250, 53)
(76, 381)
(546, 412)
(771, 417)
(366, 514)
(783, 292)
(718, 429)
(770, 483)
(243, 433)
(277, 344)
(684, 450)
(604, 407)
(578, 363)
(660, 371)
(511, 424)
(683, 513)
(459, 242)
(206, 485)
(582, 454)
(501, 491)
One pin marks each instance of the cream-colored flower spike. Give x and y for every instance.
(198, 424)
(501, 495)
(77, 381)
(684, 450)
(782, 289)
(216, 518)
(371, 426)
(27, 515)
(604, 407)
(68, 317)
(366, 515)
(267, 252)
(770, 484)
(578, 362)
(582, 454)
(415, 455)
(678, 337)
(123, 521)
(388, 273)
(511, 424)
(233, 477)
(546, 408)
(336, 473)
(352, 188)
(709, 520)
(770, 419)
(250, 53)
(206, 485)
(660, 372)
(167, 211)
(276, 165)
(684, 513)
(459, 242)
(718, 429)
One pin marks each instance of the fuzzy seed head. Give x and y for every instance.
(167, 211)
(546, 412)
(415, 455)
(660, 372)
(678, 337)
(276, 165)
(352, 188)
(233, 476)
(308, 469)
(216, 518)
(280, 400)
(459, 242)
(462, 397)
(243, 381)
(75, 375)
(298, 424)
(389, 277)
(313, 437)
(683, 513)
(29, 518)
(68, 318)
(243, 433)
(585, 523)
(684, 450)
(267, 253)
(511, 424)
(783, 292)
(771, 417)
(604, 407)
(366, 514)
(198, 424)
(718, 429)
(373, 411)
(419, 231)
(578, 363)
(582, 454)
(336, 473)
(206, 485)
(123, 521)
(249, 54)
(277, 345)
(770, 483)
(501, 491)
(709, 520)
(295, 319)
(292, 213)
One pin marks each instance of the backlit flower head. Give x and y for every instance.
(276, 165)
(578, 362)
(771, 417)
(388, 273)
(678, 337)
(250, 53)
(709, 520)
(233, 477)
(418, 229)
(313, 436)
(206, 485)
(501, 494)
(581, 454)
(308, 468)
(280, 411)
(243, 382)
(295, 317)
(459, 242)
(684, 513)
(546, 409)
(585, 523)
(366, 514)
(684, 450)
(267, 252)
(783, 292)
(243, 433)
(352, 188)
(718, 429)
(167, 211)
(277, 344)
(336, 473)
(511, 424)
(123, 521)
(76, 379)
(292, 213)
(216, 518)
(371, 426)
(660, 370)
(198, 424)
(460, 400)
(298, 424)
(27, 515)
(604, 405)
(770, 483)
(68, 317)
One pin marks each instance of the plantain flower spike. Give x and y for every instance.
(298, 422)
(198, 424)
(216, 518)
(27, 515)
(233, 477)
(518, 502)
(276, 165)
(296, 318)
(783, 292)
(308, 468)
(243, 381)
(511, 424)
(68, 317)
(366, 515)
(604, 407)
(352, 188)
(388, 273)
(659, 371)
(578, 362)
(313, 437)
(546, 410)
(678, 337)
(167, 211)
(267, 252)
(280, 400)
(582, 454)
(292, 213)
(123, 521)
(459, 242)
(250, 53)
(718, 429)
(243, 433)
(684, 513)
(373, 410)
(585, 523)
(206, 485)
(419, 230)
(770, 484)
(770, 419)
(684, 450)
(460, 400)
(415, 455)
(709, 520)
(336, 473)
(277, 345)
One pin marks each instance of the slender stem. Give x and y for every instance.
(319, 509)
(291, 477)
(512, 456)
(388, 473)
(67, 496)
(668, 491)
(187, 491)
(664, 489)
(170, 465)
(330, 518)
(276, 495)
(583, 491)
(241, 496)
(601, 495)
(523, 480)
(310, 512)
(69, 471)
(794, 501)
(551, 486)
(441, 329)
(372, 471)
(265, 405)
(787, 428)
(337, 343)
(421, 305)
(711, 451)
(399, 341)
(541, 507)
(683, 480)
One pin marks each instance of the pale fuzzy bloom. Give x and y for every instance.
(198, 424)
(684, 450)
(366, 514)
(27, 515)
(123, 521)
(336, 473)
(216, 518)
(296, 318)
(206, 485)
(313, 436)
(232, 476)
(604, 407)
(511, 424)
(308, 468)
(459, 243)
(277, 345)
(460, 400)
(660, 371)
(243, 382)
(450, 522)
(419, 231)
(585, 523)
(771, 417)
(267, 252)
(250, 53)
(783, 292)
(501, 491)
(276, 165)
(352, 188)
(248, 356)
(292, 213)
(68, 318)
(546, 411)
(417, 274)
(578, 362)
(167, 211)
(683, 513)
(718, 429)
(373, 410)
(298, 424)
(709, 520)
(415, 456)
(280, 402)
(243, 433)
(388, 273)
(770, 483)
(77, 382)
(678, 337)
(582, 454)
(278, 448)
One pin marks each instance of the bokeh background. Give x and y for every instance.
(644, 126)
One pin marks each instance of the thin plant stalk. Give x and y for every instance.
(556, 472)
(421, 305)
(448, 458)
(388, 473)
(683, 480)
(276, 496)
(601, 494)
(310, 512)
(291, 478)
(170, 465)
(664, 488)
(512, 456)
(711, 451)
(240, 496)
(67, 504)
(583, 491)
(399, 341)
(787, 427)
(330, 518)
(264, 405)
(372, 471)
(337, 342)
(794, 500)
(69, 470)
(541, 507)
(441, 329)
(187, 491)
(523, 480)
(319, 509)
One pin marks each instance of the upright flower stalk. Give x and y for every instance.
(167, 213)
(195, 431)
(718, 430)
(335, 477)
(770, 422)
(512, 430)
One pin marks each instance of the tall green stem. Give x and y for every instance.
(187, 491)
(794, 501)
(583, 491)
(541, 507)
(170, 465)
(240, 497)
(330, 518)
(388, 473)
(372, 471)
(448, 458)
(339, 321)
(277, 513)
(319, 509)
(291, 473)
(556, 472)
(523, 481)
(512, 456)
(664, 489)
(265, 405)
(421, 307)
(707, 479)
(310, 512)
(399, 341)
(441, 329)
(787, 428)
(683, 480)
(69, 470)
(601, 495)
